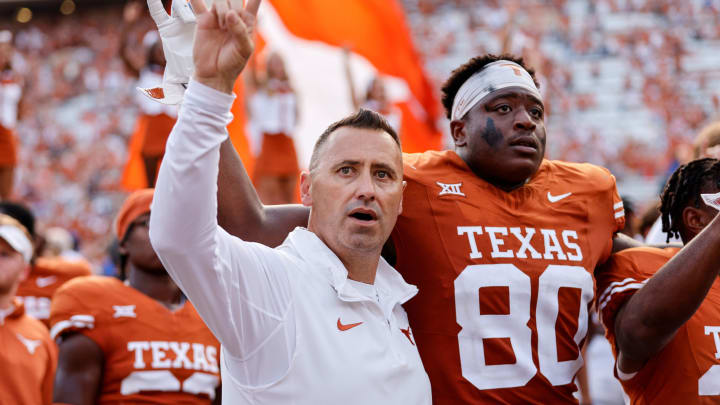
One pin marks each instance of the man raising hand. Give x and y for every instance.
(318, 320)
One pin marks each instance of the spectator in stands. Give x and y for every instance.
(273, 111)
(11, 84)
(146, 61)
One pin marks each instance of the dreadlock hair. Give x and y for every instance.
(459, 76)
(683, 189)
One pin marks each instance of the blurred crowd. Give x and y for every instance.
(627, 84)
(75, 118)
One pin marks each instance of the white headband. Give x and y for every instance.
(497, 75)
(17, 239)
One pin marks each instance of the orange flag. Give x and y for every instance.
(134, 174)
(377, 31)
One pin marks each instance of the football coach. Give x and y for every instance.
(319, 319)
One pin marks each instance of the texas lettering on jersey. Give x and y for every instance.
(687, 370)
(496, 235)
(505, 278)
(150, 352)
(154, 359)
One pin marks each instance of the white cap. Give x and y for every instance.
(16, 236)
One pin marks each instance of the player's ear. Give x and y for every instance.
(695, 219)
(457, 130)
(305, 183)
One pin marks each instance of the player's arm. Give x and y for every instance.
(652, 316)
(240, 211)
(79, 371)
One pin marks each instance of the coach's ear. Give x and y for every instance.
(305, 183)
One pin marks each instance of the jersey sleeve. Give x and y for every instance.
(617, 206)
(608, 206)
(617, 281)
(72, 311)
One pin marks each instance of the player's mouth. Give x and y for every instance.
(364, 216)
(525, 144)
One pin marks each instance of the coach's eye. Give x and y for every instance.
(346, 170)
(382, 174)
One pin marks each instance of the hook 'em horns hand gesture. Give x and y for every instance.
(223, 41)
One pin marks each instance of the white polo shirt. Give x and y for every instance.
(293, 328)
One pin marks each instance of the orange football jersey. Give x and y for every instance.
(28, 359)
(46, 276)
(505, 278)
(152, 355)
(687, 370)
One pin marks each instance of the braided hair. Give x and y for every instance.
(683, 189)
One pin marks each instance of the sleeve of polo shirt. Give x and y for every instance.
(240, 289)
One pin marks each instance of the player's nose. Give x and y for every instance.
(523, 120)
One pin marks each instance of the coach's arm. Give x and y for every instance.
(652, 316)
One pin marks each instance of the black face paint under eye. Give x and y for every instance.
(491, 134)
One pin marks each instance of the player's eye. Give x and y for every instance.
(503, 108)
(536, 112)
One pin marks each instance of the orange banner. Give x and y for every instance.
(377, 30)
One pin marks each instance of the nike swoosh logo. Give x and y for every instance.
(556, 198)
(343, 328)
(45, 281)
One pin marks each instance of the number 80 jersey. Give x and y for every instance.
(505, 278)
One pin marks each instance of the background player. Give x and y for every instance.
(138, 341)
(498, 226)
(47, 274)
(28, 357)
(661, 307)
(11, 86)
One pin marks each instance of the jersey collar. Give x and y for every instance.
(389, 283)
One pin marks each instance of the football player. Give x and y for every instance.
(501, 242)
(664, 325)
(47, 274)
(133, 341)
(28, 357)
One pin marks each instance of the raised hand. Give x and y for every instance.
(223, 41)
(176, 31)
